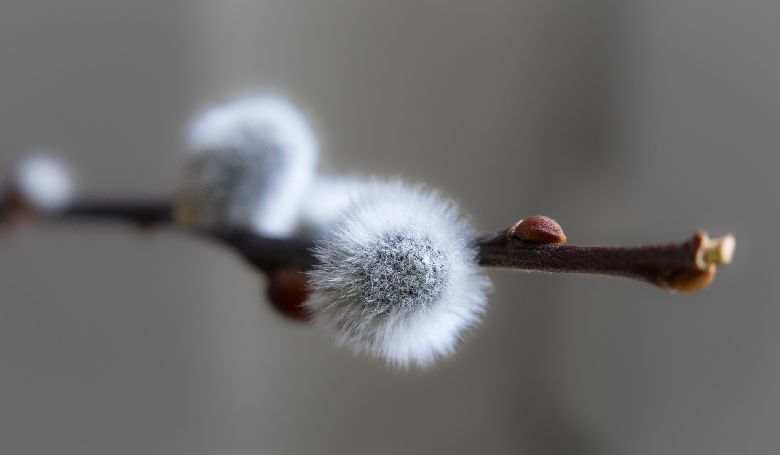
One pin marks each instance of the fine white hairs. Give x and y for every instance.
(329, 198)
(43, 181)
(397, 277)
(251, 163)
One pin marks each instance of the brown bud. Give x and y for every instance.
(538, 229)
(15, 210)
(690, 280)
(287, 290)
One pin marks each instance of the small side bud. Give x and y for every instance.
(287, 290)
(537, 229)
(14, 208)
(691, 280)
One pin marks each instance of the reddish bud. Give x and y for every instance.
(15, 210)
(287, 290)
(538, 229)
(691, 280)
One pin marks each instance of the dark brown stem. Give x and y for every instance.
(143, 212)
(267, 254)
(685, 266)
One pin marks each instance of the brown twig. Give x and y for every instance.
(535, 244)
(142, 212)
(685, 266)
(266, 254)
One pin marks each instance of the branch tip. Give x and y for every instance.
(715, 251)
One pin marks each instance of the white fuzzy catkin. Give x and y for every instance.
(328, 199)
(43, 181)
(250, 165)
(397, 277)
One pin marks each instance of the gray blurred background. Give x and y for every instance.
(633, 121)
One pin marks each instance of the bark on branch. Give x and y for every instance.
(683, 266)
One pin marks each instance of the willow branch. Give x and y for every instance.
(265, 254)
(268, 254)
(683, 266)
(142, 212)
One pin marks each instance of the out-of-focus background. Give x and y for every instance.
(633, 121)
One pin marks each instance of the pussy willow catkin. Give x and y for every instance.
(250, 164)
(43, 181)
(396, 277)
